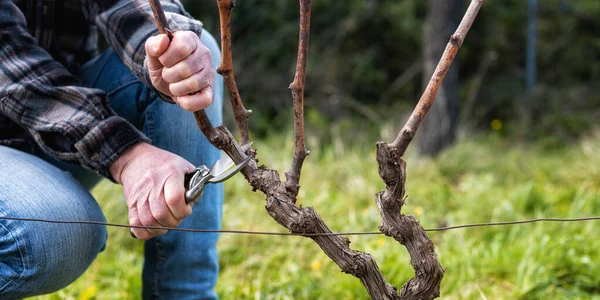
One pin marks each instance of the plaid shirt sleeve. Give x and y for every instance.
(127, 24)
(69, 122)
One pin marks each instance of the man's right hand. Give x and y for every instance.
(152, 180)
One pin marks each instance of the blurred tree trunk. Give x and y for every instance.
(438, 130)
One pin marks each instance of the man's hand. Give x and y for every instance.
(153, 183)
(181, 69)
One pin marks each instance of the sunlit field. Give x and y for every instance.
(481, 180)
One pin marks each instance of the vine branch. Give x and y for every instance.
(226, 70)
(409, 130)
(297, 88)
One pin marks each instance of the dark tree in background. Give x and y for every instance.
(439, 130)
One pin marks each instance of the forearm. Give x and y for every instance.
(69, 122)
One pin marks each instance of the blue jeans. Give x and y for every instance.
(38, 258)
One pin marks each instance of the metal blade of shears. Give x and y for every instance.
(224, 168)
(229, 171)
(220, 171)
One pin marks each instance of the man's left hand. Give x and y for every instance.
(181, 69)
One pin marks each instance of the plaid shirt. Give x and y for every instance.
(42, 105)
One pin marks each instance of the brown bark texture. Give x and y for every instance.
(225, 69)
(281, 196)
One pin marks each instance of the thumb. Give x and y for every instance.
(155, 47)
(174, 193)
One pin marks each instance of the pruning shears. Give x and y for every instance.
(197, 179)
(223, 169)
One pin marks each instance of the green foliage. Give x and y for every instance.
(482, 180)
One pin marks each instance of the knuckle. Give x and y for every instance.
(208, 100)
(163, 59)
(166, 75)
(162, 216)
(171, 169)
(205, 100)
(174, 89)
(174, 199)
(207, 76)
(186, 47)
(141, 234)
(185, 104)
(204, 66)
(202, 49)
(204, 55)
(176, 223)
(192, 37)
(194, 84)
(184, 70)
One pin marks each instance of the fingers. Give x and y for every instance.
(147, 218)
(181, 68)
(155, 47)
(152, 181)
(191, 80)
(162, 212)
(140, 233)
(164, 205)
(174, 195)
(149, 209)
(197, 101)
(193, 84)
(184, 43)
(195, 63)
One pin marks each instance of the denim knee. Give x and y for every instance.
(34, 263)
(39, 257)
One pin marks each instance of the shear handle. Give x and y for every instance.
(195, 185)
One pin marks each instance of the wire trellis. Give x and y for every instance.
(250, 232)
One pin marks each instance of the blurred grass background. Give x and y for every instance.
(478, 180)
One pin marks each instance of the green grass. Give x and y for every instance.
(486, 179)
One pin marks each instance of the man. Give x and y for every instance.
(64, 108)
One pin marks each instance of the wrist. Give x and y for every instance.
(119, 165)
